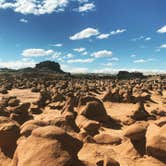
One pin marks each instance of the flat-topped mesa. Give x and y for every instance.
(49, 66)
(128, 75)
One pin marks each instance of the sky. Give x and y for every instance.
(95, 36)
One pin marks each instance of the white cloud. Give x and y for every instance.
(23, 20)
(103, 36)
(18, 64)
(39, 7)
(60, 59)
(141, 38)
(102, 53)
(89, 60)
(162, 29)
(86, 33)
(148, 38)
(85, 53)
(56, 55)
(114, 59)
(79, 70)
(79, 49)
(35, 7)
(142, 60)
(163, 46)
(36, 52)
(74, 69)
(57, 45)
(132, 55)
(86, 7)
(69, 55)
(108, 64)
(105, 70)
(83, 1)
(138, 38)
(118, 31)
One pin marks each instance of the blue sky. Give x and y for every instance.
(84, 35)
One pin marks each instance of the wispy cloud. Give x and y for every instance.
(108, 64)
(56, 55)
(85, 53)
(79, 49)
(141, 38)
(103, 36)
(107, 35)
(83, 1)
(133, 55)
(84, 34)
(102, 54)
(115, 59)
(23, 20)
(148, 38)
(57, 45)
(89, 60)
(142, 60)
(36, 52)
(69, 55)
(162, 29)
(86, 7)
(163, 46)
(118, 31)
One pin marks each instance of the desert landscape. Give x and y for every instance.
(49, 117)
(82, 82)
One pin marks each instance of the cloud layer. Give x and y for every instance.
(40, 7)
(36, 52)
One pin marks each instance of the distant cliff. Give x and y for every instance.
(45, 66)
(128, 75)
(49, 66)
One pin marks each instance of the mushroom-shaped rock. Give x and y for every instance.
(139, 113)
(9, 133)
(50, 146)
(136, 131)
(27, 128)
(13, 102)
(3, 90)
(104, 138)
(84, 100)
(95, 111)
(20, 113)
(107, 96)
(156, 141)
(161, 122)
(107, 161)
(34, 109)
(91, 127)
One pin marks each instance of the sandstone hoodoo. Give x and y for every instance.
(54, 148)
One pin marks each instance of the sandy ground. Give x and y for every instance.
(124, 153)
